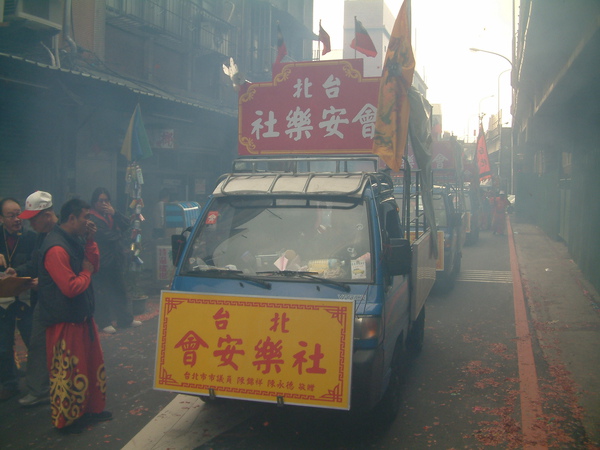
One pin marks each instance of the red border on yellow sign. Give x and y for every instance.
(277, 350)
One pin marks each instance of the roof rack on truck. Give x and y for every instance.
(324, 175)
(303, 164)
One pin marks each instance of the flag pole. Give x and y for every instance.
(354, 35)
(409, 15)
(319, 45)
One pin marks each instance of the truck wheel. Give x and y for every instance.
(457, 264)
(414, 340)
(445, 281)
(390, 403)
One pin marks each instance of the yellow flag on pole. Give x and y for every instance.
(391, 127)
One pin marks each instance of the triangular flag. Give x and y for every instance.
(324, 38)
(136, 145)
(482, 157)
(362, 41)
(281, 48)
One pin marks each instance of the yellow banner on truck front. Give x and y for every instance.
(279, 350)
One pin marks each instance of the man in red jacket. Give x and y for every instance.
(69, 257)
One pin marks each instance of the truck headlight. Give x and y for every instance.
(367, 327)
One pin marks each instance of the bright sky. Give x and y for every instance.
(443, 31)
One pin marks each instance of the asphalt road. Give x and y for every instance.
(462, 391)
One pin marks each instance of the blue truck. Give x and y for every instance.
(316, 228)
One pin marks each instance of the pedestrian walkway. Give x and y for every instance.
(564, 313)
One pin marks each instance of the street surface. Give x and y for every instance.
(462, 391)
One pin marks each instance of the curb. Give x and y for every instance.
(565, 320)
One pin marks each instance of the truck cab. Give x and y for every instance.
(283, 227)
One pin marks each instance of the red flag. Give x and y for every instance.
(362, 41)
(281, 48)
(324, 38)
(391, 126)
(483, 160)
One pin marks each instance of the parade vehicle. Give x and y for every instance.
(276, 256)
(473, 212)
(449, 205)
(299, 283)
(452, 218)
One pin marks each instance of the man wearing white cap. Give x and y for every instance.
(39, 212)
(16, 246)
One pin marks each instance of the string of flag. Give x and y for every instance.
(136, 146)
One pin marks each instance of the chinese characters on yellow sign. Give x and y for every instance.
(295, 351)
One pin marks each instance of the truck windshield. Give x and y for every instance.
(262, 237)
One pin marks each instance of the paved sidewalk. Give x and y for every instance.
(565, 317)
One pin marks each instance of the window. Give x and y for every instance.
(258, 236)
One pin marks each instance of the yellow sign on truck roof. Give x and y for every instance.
(279, 350)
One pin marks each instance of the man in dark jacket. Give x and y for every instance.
(16, 247)
(109, 282)
(69, 257)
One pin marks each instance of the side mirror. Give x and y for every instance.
(399, 257)
(177, 244)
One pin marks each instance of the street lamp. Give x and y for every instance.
(499, 128)
(502, 73)
(512, 144)
(492, 53)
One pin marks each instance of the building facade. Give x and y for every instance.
(378, 20)
(72, 73)
(499, 146)
(556, 116)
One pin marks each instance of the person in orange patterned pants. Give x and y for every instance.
(69, 257)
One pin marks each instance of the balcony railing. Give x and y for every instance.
(185, 21)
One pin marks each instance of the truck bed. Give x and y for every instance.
(423, 273)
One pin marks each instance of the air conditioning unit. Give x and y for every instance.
(36, 14)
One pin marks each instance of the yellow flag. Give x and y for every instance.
(391, 127)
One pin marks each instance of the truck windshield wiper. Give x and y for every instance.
(238, 274)
(310, 275)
